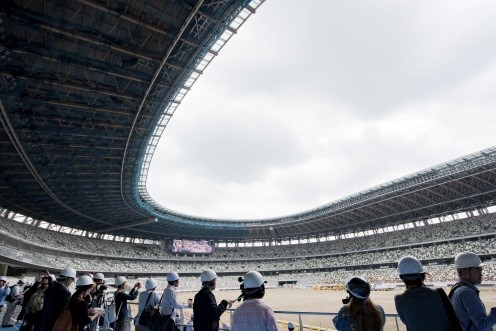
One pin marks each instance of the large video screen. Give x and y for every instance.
(191, 246)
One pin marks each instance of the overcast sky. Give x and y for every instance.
(312, 101)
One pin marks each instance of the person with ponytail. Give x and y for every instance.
(81, 315)
(359, 312)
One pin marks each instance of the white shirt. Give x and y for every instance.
(169, 302)
(142, 297)
(254, 315)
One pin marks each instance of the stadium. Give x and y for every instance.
(87, 89)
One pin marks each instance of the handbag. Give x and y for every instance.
(146, 314)
(64, 321)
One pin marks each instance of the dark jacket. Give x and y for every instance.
(56, 299)
(206, 312)
(121, 302)
(79, 312)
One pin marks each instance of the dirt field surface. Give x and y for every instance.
(320, 301)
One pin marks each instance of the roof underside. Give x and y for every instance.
(83, 86)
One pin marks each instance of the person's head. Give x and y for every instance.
(98, 278)
(120, 282)
(84, 284)
(173, 279)
(411, 271)
(364, 313)
(291, 326)
(208, 278)
(253, 285)
(150, 284)
(3, 280)
(47, 280)
(469, 267)
(67, 276)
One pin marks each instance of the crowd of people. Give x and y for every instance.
(46, 303)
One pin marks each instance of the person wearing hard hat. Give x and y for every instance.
(122, 310)
(206, 312)
(57, 298)
(169, 303)
(81, 314)
(147, 300)
(419, 300)
(253, 314)
(359, 312)
(13, 298)
(291, 326)
(33, 302)
(97, 295)
(464, 295)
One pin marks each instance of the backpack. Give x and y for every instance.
(36, 301)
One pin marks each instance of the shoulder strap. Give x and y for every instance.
(149, 295)
(457, 285)
(455, 324)
(160, 301)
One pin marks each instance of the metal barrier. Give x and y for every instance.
(300, 326)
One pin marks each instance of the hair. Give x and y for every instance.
(82, 289)
(171, 283)
(256, 293)
(365, 314)
(413, 280)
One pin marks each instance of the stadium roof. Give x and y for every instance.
(87, 88)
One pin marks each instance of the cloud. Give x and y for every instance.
(308, 104)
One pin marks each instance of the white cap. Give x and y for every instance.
(291, 325)
(28, 283)
(84, 280)
(150, 284)
(98, 276)
(253, 279)
(3, 278)
(408, 265)
(68, 272)
(467, 260)
(208, 275)
(120, 280)
(172, 277)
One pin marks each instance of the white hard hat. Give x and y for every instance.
(28, 283)
(99, 276)
(3, 278)
(120, 280)
(253, 279)
(409, 265)
(467, 260)
(208, 275)
(150, 284)
(68, 272)
(291, 325)
(172, 277)
(84, 280)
